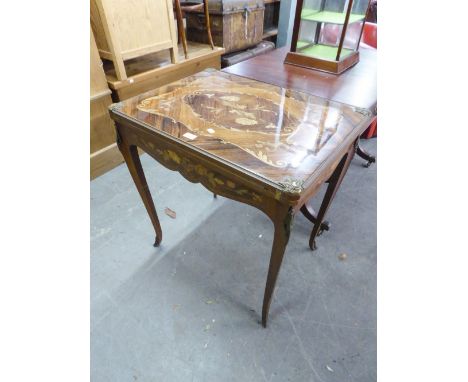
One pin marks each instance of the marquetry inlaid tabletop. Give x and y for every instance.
(273, 133)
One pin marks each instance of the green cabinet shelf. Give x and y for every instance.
(329, 17)
(327, 33)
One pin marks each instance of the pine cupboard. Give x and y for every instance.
(104, 152)
(126, 29)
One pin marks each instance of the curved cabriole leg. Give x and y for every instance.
(132, 159)
(207, 21)
(311, 215)
(282, 230)
(333, 185)
(365, 155)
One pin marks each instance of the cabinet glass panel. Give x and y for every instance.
(322, 23)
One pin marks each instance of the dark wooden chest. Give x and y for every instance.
(235, 24)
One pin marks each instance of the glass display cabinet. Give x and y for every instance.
(327, 34)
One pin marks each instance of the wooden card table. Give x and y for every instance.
(256, 143)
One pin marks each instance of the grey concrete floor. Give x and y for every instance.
(190, 309)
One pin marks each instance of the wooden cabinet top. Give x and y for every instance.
(279, 136)
(357, 86)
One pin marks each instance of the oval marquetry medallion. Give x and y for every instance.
(240, 111)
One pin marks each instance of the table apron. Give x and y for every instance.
(324, 176)
(214, 176)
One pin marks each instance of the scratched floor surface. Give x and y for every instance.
(190, 310)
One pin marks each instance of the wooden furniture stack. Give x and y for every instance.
(155, 70)
(180, 10)
(126, 29)
(137, 43)
(137, 40)
(235, 24)
(104, 152)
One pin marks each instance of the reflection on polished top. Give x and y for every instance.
(275, 133)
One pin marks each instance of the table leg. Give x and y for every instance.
(207, 22)
(365, 155)
(180, 27)
(311, 215)
(132, 159)
(282, 225)
(333, 185)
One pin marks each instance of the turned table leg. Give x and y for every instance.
(333, 185)
(207, 21)
(180, 27)
(282, 224)
(132, 159)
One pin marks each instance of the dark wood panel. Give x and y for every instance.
(233, 31)
(357, 86)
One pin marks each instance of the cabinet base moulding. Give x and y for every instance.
(335, 67)
(105, 160)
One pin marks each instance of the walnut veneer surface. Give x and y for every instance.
(356, 86)
(281, 136)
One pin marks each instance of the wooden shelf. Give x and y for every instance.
(157, 63)
(271, 1)
(324, 52)
(329, 17)
(129, 29)
(155, 70)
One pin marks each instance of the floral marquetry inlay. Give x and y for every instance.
(196, 172)
(276, 133)
(269, 126)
